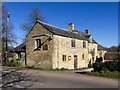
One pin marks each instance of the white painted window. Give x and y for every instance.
(38, 43)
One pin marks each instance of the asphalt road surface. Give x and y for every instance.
(65, 79)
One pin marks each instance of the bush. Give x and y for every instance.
(63, 69)
(99, 66)
(11, 63)
(118, 65)
(112, 65)
(99, 59)
(57, 69)
(109, 65)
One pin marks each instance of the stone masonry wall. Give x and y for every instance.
(93, 46)
(38, 58)
(62, 46)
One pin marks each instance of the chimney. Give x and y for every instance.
(71, 26)
(87, 31)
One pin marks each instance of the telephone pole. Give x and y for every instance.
(7, 25)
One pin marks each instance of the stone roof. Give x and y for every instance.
(84, 34)
(20, 48)
(58, 31)
(111, 56)
(62, 32)
(100, 47)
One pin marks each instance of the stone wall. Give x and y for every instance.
(93, 52)
(62, 46)
(39, 58)
(57, 47)
(101, 53)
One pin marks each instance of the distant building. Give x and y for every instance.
(111, 56)
(48, 46)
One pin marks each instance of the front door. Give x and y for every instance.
(75, 61)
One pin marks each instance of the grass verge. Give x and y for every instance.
(109, 74)
(56, 69)
(47, 69)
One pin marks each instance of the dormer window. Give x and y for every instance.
(38, 43)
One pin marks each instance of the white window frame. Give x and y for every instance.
(36, 43)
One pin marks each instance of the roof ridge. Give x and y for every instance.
(53, 26)
(67, 31)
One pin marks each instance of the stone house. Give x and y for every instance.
(48, 46)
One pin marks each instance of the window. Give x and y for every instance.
(38, 43)
(83, 57)
(64, 58)
(19, 56)
(84, 44)
(45, 47)
(73, 43)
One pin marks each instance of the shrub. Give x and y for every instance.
(11, 63)
(112, 65)
(98, 66)
(99, 59)
(63, 69)
(109, 65)
(57, 69)
(118, 65)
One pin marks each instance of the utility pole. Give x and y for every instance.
(7, 25)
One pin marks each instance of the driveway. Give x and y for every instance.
(60, 79)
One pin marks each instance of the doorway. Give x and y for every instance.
(75, 61)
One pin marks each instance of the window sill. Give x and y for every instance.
(37, 49)
(73, 47)
(45, 49)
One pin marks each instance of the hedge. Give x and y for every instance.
(107, 66)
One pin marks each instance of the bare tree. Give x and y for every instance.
(34, 14)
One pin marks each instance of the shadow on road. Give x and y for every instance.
(83, 72)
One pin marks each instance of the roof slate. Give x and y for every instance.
(111, 56)
(100, 47)
(58, 31)
(20, 48)
(61, 32)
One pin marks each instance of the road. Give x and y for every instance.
(66, 79)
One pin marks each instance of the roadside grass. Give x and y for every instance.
(11, 63)
(47, 69)
(56, 69)
(109, 74)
